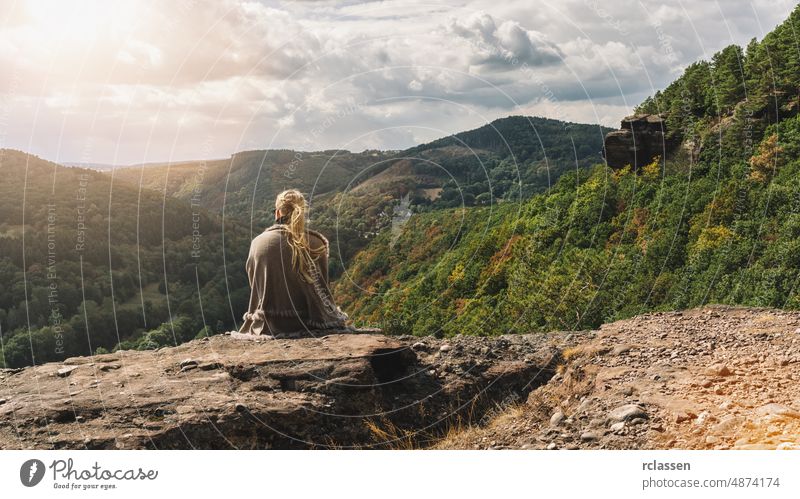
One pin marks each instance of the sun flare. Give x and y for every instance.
(56, 20)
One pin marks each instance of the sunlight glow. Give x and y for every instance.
(56, 20)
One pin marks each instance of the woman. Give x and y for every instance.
(288, 272)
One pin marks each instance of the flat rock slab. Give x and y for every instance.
(339, 390)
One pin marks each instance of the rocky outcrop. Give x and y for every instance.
(711, 378)
(235, 391)
(641, 138)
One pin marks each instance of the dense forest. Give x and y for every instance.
(154, 255)
(88, 265)
(718, 222)
(353, 196)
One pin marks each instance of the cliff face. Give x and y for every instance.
(641, 138)
(342, 390)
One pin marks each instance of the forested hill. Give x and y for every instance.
(134, 258)
(87, 265)
(718, 222)
(354, 195)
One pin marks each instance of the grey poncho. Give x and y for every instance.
(281, 301)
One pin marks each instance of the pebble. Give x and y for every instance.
(703, 417)
(557, 418)
(419, 346)
(719, 370)
(682, 417)
(712, 440)
(66, 371)
(552, 446)
(728, 424)
(777, 410)
(626, 412)
(620, 349)
(188, 362)
(588, 436)
(617, 427)
(445, 348)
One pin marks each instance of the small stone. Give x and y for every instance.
(66, 371)
(620, 349)
(79, 419)
(557, 418)
(419, 346)
(617, 427)
(682, 417)
(728, 425)
(551, 446)
(636, 421)
(703, 417)
(712, 440)
(777, 410)
(707, 383)
(585, 403)
(588, 436)
(2, 401)
(188, 362)
(719, 370)
(445, 348)
(188, 367)
(626, 412)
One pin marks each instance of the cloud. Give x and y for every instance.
(504, 46)
(134, 81)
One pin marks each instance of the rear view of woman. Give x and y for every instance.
(288, 271)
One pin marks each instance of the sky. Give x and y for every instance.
(129, 82)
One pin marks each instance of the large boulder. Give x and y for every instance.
(340, 390)
(641, 138)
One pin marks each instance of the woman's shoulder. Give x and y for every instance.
(270, 234)
(277, 231)
(312, 234)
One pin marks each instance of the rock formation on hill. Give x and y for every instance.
(711, 378)
(341, 390)
(641, 138)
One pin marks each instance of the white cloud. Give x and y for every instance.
(143, 80)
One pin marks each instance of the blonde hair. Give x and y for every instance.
(292, 206)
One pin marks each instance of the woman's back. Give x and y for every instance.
(282, 300)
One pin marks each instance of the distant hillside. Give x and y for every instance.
(99, 259)
(718, 223)
(354, 195)
(246, 184)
